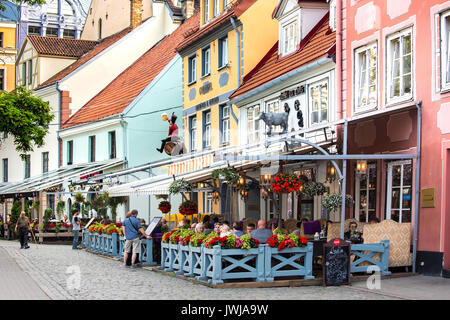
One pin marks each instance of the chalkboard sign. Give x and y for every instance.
(336, 264)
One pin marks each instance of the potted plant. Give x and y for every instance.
(165, 206)
(229, 175)
(332, 202)
(286, 183)
(180, 185)
(188, 207)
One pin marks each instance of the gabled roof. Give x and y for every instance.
(61, 47)
(319, 43)
(130, 83)
(101, 45)
(276, 11)
(236, 10)
(10, 14)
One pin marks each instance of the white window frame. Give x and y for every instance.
(223, 52)
(445, 50)
(193, 134)
(389, 74)
(208, 202)
(358, 78)
(358, 193)
(310, 87)
(289, 45)
(206, 61)
(206, 12)
(389, 189)
(225, 125)
(192, 69)
(216, 8)
(255, 134)
(207, 132)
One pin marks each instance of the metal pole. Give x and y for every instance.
(417, 185)
(344, 180)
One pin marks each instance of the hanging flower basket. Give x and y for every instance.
(332, 202)
(188, 208)
(286, 183)
(164, 206)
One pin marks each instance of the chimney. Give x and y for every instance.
(136, 10)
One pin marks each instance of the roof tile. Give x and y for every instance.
(61, 47)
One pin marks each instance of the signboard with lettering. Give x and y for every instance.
(292, 93)
(152, 225)
(426, 198)
(336, 264)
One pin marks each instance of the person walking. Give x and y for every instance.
(76, 223)
(23, 224)
(131, 229)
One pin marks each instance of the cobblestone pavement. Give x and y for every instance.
(53, 266)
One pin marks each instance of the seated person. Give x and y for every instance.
(353, 235)
(374, 220)
(217, 226)
(250, 228)
(207, 226)
(224, 230)
(237, 229)
(297, 231)
(173, 132)
(262, 233)
(199, 228)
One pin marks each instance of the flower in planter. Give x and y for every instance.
(165, 206)
(282, 241)
(197, 239)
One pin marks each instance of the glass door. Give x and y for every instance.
(399, 191)
(366, 194)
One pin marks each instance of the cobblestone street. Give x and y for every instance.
(102, 278)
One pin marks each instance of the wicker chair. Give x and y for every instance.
(290, 225)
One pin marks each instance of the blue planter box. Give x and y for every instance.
(295, 261)
(220, 264)
(195, 263)
(365, 254)
(165, 256)
(121, 246)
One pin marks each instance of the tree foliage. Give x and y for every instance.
(19, 2)
(26, 117)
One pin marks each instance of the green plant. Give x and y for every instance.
(113, 203)
(15, 211)
(161, 196)
(60, 206)
(312, 189)
(57, 227)
(332, 202)
(48, 214)
(230, 175)
(180, 185)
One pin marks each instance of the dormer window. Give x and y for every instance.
(290, 37)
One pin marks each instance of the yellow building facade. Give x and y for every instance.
(233, 37)
(7, 55)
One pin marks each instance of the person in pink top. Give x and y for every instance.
(173, 132)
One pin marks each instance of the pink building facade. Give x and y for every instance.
(394, 57)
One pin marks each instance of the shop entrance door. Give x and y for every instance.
(399, 191)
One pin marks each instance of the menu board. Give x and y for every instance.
(336, 265)
(152, 225)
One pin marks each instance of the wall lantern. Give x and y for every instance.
(361, 167)
(201, 185)
(216, 196)
(244, 194)
(241, 183)
(265, 179)
(331, 172)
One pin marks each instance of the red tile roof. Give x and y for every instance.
(101, 45)
(237, 9)
(129, 84)
(319, 43)
(61, 47)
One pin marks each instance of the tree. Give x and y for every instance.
(20, 2)
(26, 117)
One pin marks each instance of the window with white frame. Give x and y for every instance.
(318, 102)
(192, 69)
(290, 36)
(208, 202)
(366, 77)
(366, 194)
(206, 13)
(445, 50)
(206, 61)
(207, 129)
(273, 107)
(253, 125)
(216, 8)
(193, 133)
(225, 124)
(399, 191)
(399, 66)
(223, 52)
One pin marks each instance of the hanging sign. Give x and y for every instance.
(152, 225)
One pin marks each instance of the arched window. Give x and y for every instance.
(67, 9)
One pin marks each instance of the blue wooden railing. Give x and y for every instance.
(365, 253)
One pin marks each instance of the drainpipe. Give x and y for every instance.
(122, 124)
(340, 110)
(417, 184)
(238, 48)
(59, 123)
